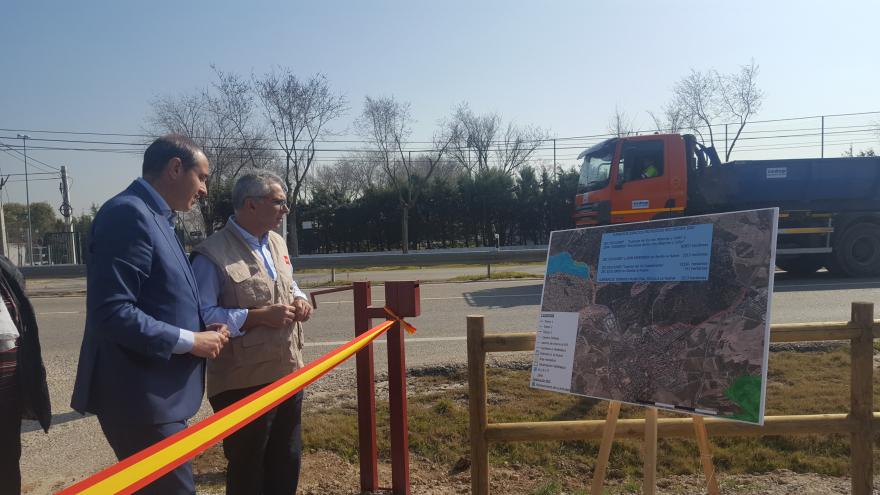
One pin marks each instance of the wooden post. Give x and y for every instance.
(366, 393)
(649, 485)
(705, 454)
(605, 447)
(477, 403)
(862, 398)
(397, 415)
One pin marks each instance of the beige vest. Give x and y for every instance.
(262, 355)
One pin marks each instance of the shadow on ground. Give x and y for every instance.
(823, 280)
(505, 297)
(57, 419)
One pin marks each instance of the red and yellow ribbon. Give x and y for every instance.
(139, 470)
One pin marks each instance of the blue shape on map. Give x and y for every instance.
(563, 263)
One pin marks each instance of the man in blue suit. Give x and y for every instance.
(141, 366)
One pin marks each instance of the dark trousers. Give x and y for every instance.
(129, 439)
(264, 456)
(10, 425)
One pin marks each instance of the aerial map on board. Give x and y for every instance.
(671, 313)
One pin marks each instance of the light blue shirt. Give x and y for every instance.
(210, 278)
(185, 339)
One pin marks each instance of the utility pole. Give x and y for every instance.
(66, 212)
(27, 195)
(3, 244)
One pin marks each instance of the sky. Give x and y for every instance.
(565, 66)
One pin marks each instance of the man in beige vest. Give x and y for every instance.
(246, 282)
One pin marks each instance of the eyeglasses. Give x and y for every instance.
(280, 203)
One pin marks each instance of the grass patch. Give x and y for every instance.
(799, 383)
(551, 487)
(325, 283)
(495, 275)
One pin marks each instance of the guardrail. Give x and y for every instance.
(430, 257)
(860, 422)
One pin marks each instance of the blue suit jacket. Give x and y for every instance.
(140, 293)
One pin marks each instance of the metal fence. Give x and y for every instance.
(61, 248)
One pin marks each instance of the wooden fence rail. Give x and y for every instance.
(860, 422)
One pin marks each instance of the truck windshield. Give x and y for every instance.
(596, 166)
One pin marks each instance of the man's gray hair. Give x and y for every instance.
(254, 185)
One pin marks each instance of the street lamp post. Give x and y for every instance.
(27, 196)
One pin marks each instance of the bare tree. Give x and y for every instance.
(697, 98)
(387, 124)
(704, 99)
(219, 120)
(298, 113)
(479, 142)
(472, 137)
(350, 176)
(517, 146)
(740, 99)
(184, 114)
(670, 120)
(621, 124)
(235, 104)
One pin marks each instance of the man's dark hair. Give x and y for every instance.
(165, 148)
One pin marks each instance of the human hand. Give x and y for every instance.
(303, 309)
(207, 344)
(220, 328)
(278, 315)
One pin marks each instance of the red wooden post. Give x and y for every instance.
(403, 299)
(366, 393)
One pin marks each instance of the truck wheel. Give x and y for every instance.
(800, 265)
(857, 253)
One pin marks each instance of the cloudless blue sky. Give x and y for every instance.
(562, 65)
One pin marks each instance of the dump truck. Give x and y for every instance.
(829, 207)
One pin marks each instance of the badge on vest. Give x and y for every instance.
(287, 260)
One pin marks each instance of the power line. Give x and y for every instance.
(32, 180)
(592, 136)
(751, 138)
(19, 158)
(13, 148)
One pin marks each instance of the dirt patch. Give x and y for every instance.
(328, 473)
(442, 390)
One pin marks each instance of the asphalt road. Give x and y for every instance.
(75, 447)
(509, 306)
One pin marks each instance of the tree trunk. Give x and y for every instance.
(292, 238)
(404, 229)
(206, 219)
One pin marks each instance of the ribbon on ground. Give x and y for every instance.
(137, 471)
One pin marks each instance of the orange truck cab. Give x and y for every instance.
(829, 207)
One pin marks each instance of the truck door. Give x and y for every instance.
(642, 187)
